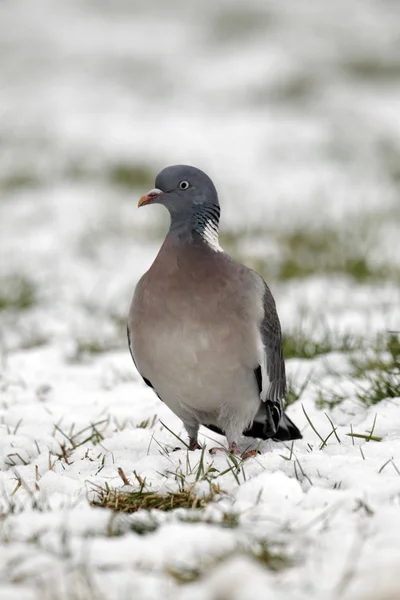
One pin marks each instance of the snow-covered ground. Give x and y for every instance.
(293, 109)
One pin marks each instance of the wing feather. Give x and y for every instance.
(273, 370)
(147, 382)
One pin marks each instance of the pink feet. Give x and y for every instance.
(249, 454)
(232, 450)
(235, 451)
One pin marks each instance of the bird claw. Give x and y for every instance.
(233, 449)
(193, 445)
(250, 454)
(217, 449)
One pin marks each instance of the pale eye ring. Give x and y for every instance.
(184, 185)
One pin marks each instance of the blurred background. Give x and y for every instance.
(292, 108)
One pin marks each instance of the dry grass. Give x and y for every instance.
(130, 502)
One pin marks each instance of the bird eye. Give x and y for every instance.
(184, 185)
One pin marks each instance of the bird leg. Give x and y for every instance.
(192, 429)
(194, 444)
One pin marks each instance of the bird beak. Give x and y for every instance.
(150, 197)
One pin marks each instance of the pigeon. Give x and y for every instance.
(203, 329)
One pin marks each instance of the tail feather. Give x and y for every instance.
(287, 430)
(261, 427)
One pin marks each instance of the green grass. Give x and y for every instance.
(372, 68)
(10, 182)
(375, 370)
(17, 293)
(325, 251)
(129, 176)
(146, 499)
(388, 154)
(374, 366)
(299, 343)
(382, 385)
(295, 389)
(88, 345)
(329, 399)
(88, 348)
(148, 423)
(196, 468)
(266, 555)
(229, 520)
(381, 369)
(238, 22)
(71, 439)
(297, 89)
(124, 175)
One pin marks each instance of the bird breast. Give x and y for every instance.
(193, 335)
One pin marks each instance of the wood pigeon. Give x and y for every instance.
(203, 330)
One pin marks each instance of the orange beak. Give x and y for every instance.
(150, 197)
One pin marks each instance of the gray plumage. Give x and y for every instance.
(203, 329)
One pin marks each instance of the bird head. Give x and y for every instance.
(188, 194)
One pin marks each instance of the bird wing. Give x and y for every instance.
(147, 382)
(271, 375)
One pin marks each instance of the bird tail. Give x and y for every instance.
(261, 427)
(287, 430)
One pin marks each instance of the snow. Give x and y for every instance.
(340, 500)
(262, 97)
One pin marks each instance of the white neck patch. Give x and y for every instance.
(210, 235)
